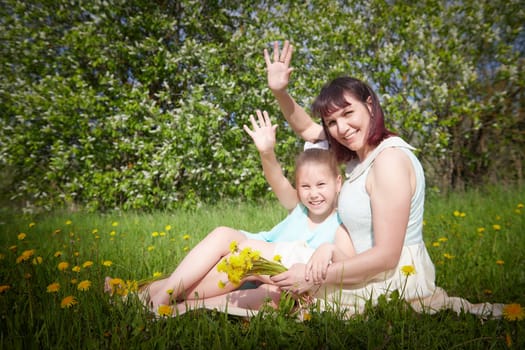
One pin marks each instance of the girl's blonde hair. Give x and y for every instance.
(318, 156)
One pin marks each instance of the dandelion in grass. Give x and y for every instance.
(21, 236)
(165, 310)
(442, 239)
(186, 248)
(513, 312)
(57, 254)
(520, 205)
(68, 301)
(53, 287)
(37, 260)
(107, 263)
(150, 248)
(114, 223)
(13, 248)
(186, 237)
(26, 255)
(57, 231)
(448, 256)
(94, 231)
(157, 274)
(4, 288)
(113, 233)
(68, 222)
(167, 227)
(32, 224)
(481, 229)
(162, 233)
(74, 281)
(154, 234)
(87, 264)
(496, 227)
(63, 265)
(84, 285)
(436, 244)
(500, 262)
(76, 268)
(408, 270)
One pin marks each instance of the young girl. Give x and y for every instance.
(312, 223)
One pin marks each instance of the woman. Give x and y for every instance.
(381, 203)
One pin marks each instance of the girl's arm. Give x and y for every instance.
(327, 253)
(263, 135)
(279, 72)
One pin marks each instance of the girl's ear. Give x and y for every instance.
(339, 183)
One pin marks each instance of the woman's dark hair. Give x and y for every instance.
(332, 98)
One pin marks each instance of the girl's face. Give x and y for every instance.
(350, 125)
(317, 188)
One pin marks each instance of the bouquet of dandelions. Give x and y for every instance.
(248, 262)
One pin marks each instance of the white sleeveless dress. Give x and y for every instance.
(418, 288)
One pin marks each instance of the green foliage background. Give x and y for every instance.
(140, 104)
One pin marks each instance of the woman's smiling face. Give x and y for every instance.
(350, 125)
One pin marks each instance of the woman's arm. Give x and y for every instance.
(279, 72)
(263, 135)
(390, 185)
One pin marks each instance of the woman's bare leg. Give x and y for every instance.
(196, 265)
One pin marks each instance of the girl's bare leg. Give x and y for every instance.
(197, 264)
(238, 302)
(208, 286)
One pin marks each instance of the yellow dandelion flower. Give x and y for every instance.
(448, 256)
(165, 310)
(57, 231)
(74, 281)
(162, 233)
(63, 265)
(37, 260)
(116, 282)
(481, 229)
(277, 258)
(26, 255)
(150, 248)
(462, 214)
(107, 263)
(53, 287)
(186, 237)
(68, 222)
(167, 227)
(457, 213)
(132, 285)
(222, 284)
(157, 274)
(113, 233)
(186, 248)
(517, 211)
(496, 227)
(114, 223)
(87, 264)
(77, 254)
(307, 316)
(233, 246)
(500, 262)
(94, 231)
(68, 301)
(84, 285)
(520, 205)
(155, 234)
(408, 270)
(442, 239)
(32, 224)
(169, 291)
(513, 312)
(21, 236)
(76, 268)
(436, 244)
(4, 288)
(58, 254)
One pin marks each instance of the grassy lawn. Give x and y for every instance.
(52, 269)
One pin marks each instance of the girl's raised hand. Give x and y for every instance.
(263, 133)
(278, 67)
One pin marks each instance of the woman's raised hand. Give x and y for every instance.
(263, 133)
(278, 66)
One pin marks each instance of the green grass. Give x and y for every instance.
(476, 239)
